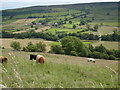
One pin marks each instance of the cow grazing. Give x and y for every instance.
(3, 59)
(91, 59)
(33, 57)
(38, 58)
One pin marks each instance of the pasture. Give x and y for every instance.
(106, 30)
(59, 71)
(54, 30)
(6, 43)
(108, 44)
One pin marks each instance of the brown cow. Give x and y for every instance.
(40, 59)
(3, 59)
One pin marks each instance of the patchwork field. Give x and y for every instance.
(59, 71)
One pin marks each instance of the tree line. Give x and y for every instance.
(71, 45)
(58, 35)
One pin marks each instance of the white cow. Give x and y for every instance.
(91, 59)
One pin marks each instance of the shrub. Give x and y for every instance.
(74, 26)
(100, 48)
(15, 45)
(73, 53)
(30, 47)
(71, 43)
(38, 47)
(104, 56)
(94, 54)
(57, 49)
(111, 57)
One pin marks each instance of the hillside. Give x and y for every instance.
(102, 12)
(59, 71)
(63, 19)
(66, 35)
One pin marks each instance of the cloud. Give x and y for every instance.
(32, 0)
(75, 1)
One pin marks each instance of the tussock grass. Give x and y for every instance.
(57, 72)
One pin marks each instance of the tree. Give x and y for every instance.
(36, 28)
(82, 22)
(31, 26)
(15, 45)
(41, 47)
(70, 22)
(74, 26)
(100, 48)
(30, 47)
(91, 48)
(108, 14)
(88, 26)
(38, 47)
(111, 57)
(73, 45)
(33, 23)
(95, 27)
(57, 49)
(101, 24)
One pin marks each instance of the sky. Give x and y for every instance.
(11, 4)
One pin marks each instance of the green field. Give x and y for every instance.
(106, 30)
(63, 13)
(108, 44)
(54, 30)
(59, 43)
(59, 71)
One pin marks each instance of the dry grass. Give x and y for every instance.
(42, 29)
(58, 71)
(106, 30)
(6, 42)
(108, 44)
(20, 22)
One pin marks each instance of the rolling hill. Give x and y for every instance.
(102, 12)
(43, 23)
(59, 71)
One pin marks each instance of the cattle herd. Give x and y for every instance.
(38, 58)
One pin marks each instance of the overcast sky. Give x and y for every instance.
(10, 4)
(76, 1)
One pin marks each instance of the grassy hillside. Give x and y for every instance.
(59, 71)
(102, 12)
(107, 44)
(6, 42)
(20, 20)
